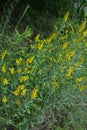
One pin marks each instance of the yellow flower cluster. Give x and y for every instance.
(18, 61)
(3, 68)
(5, 81)
(3, 54)
(19, 70)
(84, 34)
(79, 79)
(41, 42)
(34, 93)
(37, 38)
(69, 55)
(69, 72)
(23, 79)
(4, 99)
(66, 16)
(63, 37)
(82, 26)
(19, 91)
(55, 84)
(11, 70)
(82, 88)
(40, 45)
(30, 59)
(65, 45)
(78, 63)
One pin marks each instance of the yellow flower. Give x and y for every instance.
(63, 37)
(18, 61)
(84, 33)
(69, 72)
(4, 99)
(16, 92)
(64, 46)
(23, 92)
(23, 78)
(66, 16)
(55, 84)
(20, 87)
(78, 63)
(18, 70)
(69, 55)
(3, 68)
(5, 81)
(39, 46)
(3, 54)
(82, 26)
(34, 93)
(30, 59)
(79, 79)
(51, 37)
(26, 71)
(11, 70)
(37, 38)
(86, 44)
(82, 88)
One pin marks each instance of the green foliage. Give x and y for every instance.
(44, 82)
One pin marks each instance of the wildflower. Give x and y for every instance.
(37, 38)
(20, 87)
(66, 16)
(78, 63)
(18, 70)
(63, 37)
(26, 71)
(34, 93)
(69, 72)
(82, 26)
(82, 88)
(86, 44)
(64, 46)
(23, 92)
(55, 84)
(11, 70)
(79, 79)
(3, 54)
(23, 78)
(4, 99)
(84, 33)
(18, 61)
(39, 46)
(3, 68)
(69, 55)
(30, 59)
(5, 81)
(51, 37)
(16, 92)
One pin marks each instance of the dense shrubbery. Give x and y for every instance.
(44, 81)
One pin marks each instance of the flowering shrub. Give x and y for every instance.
(37, 79)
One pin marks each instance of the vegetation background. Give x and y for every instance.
(43, 65)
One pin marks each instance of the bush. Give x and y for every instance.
(42, 81)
